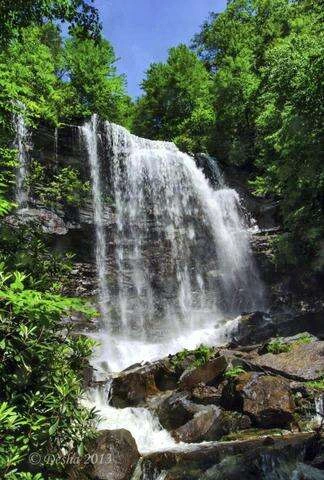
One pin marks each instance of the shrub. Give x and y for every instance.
(40, 378)
(63, 187)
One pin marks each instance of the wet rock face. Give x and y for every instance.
(45, 219)
(258, 327)
(211, 423)
(204, 374)
(115, 456)
(266, 212)
(134, 386)
(266, 399)
(176, 410)
(257, 459)
(304, 362)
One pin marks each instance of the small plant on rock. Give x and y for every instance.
(234, 372)
(197, 357)
(202, 354)
(179, 357)
(316, 384)
(277, 345)
(303, 339)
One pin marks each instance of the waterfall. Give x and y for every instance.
(21, 143)
(89, 134)
(55, 143)
(179, 250)
(319, 408)
(180, 266)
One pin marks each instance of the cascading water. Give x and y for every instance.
(89, 134)
(319, 409)
(139, 421)
(21, 143)
(179, 261)
(180, 257)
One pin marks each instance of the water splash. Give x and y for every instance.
(139, 421)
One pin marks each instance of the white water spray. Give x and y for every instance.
(139, 421)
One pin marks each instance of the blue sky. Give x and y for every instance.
(142, 31)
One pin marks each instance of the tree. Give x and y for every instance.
(232, 45)
(41, 365)
(266, 57)
(290, 132)
(27, 76)
(177, 101)
(24, 13)
(93, 84)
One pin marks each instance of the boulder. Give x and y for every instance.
(176, 410)
(114, 456)
(204, 374)
(253, 328)
(266, 399)
(303, 362)
(136, 384)
(47, 220)
(258, 458)
(133, 387)
(211, 424)
(207, 394)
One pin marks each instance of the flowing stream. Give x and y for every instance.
(173, 261)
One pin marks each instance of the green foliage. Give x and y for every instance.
(23, 13)
(177, 104)
(60, 81)
(234, 372)
(52, 189)
(8, 165)
(179, 357)
(196, 358)
(25, 248)
(278, 345)
(202, 354)
(316, 384)
(257, 104)
(303, 339)
(94, 85)
(27, 75)
(39, 376)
